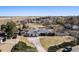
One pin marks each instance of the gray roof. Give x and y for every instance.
(39, 31)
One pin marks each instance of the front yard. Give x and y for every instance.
(25, 40)
(48, 41)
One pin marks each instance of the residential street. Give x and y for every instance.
(75, 49)
(8, 44)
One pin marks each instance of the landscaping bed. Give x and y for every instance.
(56, 47)
(22, 47)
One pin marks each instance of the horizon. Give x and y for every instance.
(39, 10)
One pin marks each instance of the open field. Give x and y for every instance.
(48, 41)
(32, 25)
(4, 20)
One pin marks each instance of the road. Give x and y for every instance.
(36, 42)
(75, 49)
(8, 44)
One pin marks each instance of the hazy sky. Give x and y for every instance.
(39, 10)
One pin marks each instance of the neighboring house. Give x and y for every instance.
(74, 33)
(68, 26)
(62, 33)
(75, 27)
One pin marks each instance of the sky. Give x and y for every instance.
(39, 10)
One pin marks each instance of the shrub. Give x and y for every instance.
(77, 41)
(56, 47)
(60, 20)
(66, 44)
(22, 47)
(53, 48)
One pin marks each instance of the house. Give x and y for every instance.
(32, 33)
(68, 26)
(62, 33)
(72, 27)
(40, 32)
(75, 27)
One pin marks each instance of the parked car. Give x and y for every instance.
(2, 37)
(67, 49)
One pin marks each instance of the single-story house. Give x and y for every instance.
(72, 27)
(40, 32)
(75, 27)
(32, 33)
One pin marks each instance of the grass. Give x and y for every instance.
(32, 25)
(46, 42)
(57, 47)
(24, 39)
(22, 47)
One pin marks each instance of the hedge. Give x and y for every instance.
(56, 47)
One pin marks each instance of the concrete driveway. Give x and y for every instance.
(36, 42)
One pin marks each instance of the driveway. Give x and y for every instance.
(36, 42)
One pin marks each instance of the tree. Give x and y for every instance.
(24, 26)
(10, 29)
(22, 47)
(3, 27)
(60, 20)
